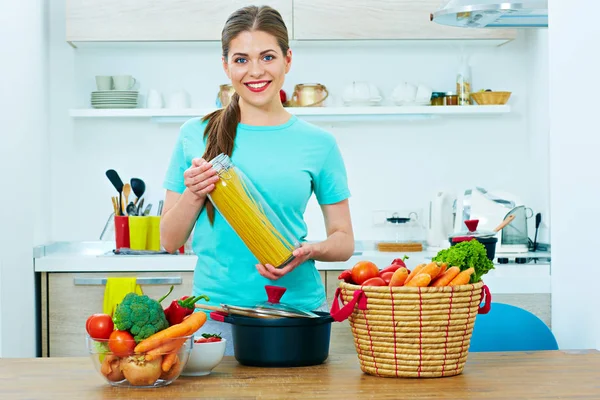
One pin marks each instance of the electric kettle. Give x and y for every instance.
(441, 220)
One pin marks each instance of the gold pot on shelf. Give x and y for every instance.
(225, 93)
(308, 95)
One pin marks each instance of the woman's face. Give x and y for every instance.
(257, 67)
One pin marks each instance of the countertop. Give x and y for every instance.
(486, 376)
(97, 256)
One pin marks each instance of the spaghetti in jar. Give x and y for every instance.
(249, 215)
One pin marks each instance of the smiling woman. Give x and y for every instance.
(285, 158)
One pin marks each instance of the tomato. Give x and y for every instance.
(387, 277)
(99, 326)
(375, 281)
(121, 343)
(364, 270)
(391, 268)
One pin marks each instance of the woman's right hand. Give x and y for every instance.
(200, 177)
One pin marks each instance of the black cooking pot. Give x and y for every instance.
(279, 342)
(488, 242)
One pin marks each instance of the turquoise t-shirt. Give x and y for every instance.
(286, 163)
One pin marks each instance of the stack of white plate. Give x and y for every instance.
(115, 99)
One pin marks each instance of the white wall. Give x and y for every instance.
(396, 164)
(574, 172)
(24, 161)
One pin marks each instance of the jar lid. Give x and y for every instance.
(435, 95)
(450, 93)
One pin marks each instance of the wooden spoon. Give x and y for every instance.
(506, 221)
(126, 192)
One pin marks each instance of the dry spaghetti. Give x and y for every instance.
(234, 200)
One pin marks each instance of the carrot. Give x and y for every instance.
(431, 269)
(399, 277)
(445, 278)
(463, 278)
(171, 346)
(421, 280)
(443, 269)
(167, 362)
(187, 327)
(414, 273)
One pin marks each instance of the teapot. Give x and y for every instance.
(309, 95)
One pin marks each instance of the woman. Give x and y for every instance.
(286, 159)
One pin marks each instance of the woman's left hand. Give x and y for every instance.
(301, 255)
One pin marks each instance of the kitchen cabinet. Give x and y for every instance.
(379, 19)
(140, 20)
(68, 299)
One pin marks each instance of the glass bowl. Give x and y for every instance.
(145, 370)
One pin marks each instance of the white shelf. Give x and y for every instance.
(324, 112)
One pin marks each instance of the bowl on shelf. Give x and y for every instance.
(140, 370)
(490, 98)
(204, 358)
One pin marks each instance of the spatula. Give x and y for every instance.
(116, 181)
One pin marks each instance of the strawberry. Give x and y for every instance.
(208, 338)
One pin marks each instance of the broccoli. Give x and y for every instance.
(140, 315)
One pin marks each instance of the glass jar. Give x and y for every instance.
(250, 216)
(437, 98)
(451, 99)
(463, 84)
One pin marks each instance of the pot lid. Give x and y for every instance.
(493, 14)
(471, 233)
(275, 307)
(272, 308)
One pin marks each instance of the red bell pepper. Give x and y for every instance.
(400, 261)
(181, 308)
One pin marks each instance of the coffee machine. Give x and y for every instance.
(491, 209)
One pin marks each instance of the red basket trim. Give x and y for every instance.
(466, 327)
(370, 341)
(353, 327)
(394, 325)
(448, 328)
(420, 333)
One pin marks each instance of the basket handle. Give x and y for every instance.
(485, 293)
(340, 314)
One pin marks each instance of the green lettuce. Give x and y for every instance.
(466, 255)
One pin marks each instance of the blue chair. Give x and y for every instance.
(510, 328)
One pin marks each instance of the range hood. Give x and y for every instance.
(493, 14)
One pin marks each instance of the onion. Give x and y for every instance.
(140, 372)
(111, 368)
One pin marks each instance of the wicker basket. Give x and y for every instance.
(410, 331)
(490, 98)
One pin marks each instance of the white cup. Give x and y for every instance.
(405, 93)
(178, 100)
(154, 99)
(423, 93)
(104, 82)
(123, 82)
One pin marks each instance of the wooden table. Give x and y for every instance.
(501, 376)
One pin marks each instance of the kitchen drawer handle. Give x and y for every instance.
(141, 281)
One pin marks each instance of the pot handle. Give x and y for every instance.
(340, 314)
(221, 317)
(485, 293)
